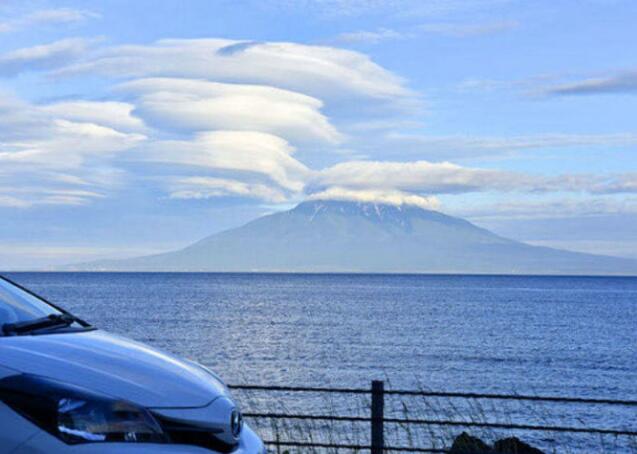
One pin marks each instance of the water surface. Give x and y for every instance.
(573, 336)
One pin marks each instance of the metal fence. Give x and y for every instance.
(378, 422)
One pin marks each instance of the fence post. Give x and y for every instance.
(378, 404)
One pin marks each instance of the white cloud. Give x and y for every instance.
(248, 153)
(46, 17)
(18, 119)
(22, 122)
(26, 196)
(334, 8)
(208, 187)
(72, 149)
(390, 197)
(319, 71)
(220, 115)
(46, 56)
(59, 16)
(424, 177)
(46, 158)
(547, 209)
(220, 118)
(69, 145)
(527, 87)
(230, 135)
(431, 178)
(616, 184)
(371, 37)
(12, 202)
(624, 82)
(475, 146)
(617, 82)
(72, 166)
(62, 134)
(199, 105)
(452, 29)
(257, 165)
(463, 30)
(385, 8)
(117, 115)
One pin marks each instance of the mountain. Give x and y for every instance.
(334, 236)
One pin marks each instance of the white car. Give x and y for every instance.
(66, 387)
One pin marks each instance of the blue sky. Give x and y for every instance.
(136, 127)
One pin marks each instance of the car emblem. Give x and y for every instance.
(236, 423)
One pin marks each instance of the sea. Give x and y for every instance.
(556, 336)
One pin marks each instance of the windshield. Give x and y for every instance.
(16, 305)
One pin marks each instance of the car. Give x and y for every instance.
(68, 387)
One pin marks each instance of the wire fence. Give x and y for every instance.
(332, 431)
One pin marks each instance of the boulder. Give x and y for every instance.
(466, 444)
(514, 445)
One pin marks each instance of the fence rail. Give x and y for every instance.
(377, 419)
(468, 395)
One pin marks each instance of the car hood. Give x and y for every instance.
(113, 365)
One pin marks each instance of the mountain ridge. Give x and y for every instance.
(344, 236)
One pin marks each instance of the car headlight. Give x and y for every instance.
(76, 415)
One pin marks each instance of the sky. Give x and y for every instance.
(135, 127)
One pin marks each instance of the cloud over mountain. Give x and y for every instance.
(207, 118)
(319, 71)
(245, 154)
(199, 105)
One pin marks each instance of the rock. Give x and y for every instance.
(514, 445)
(466, 444)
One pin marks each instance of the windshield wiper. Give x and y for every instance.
(50, 321)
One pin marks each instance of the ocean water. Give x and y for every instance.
(570, 336)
